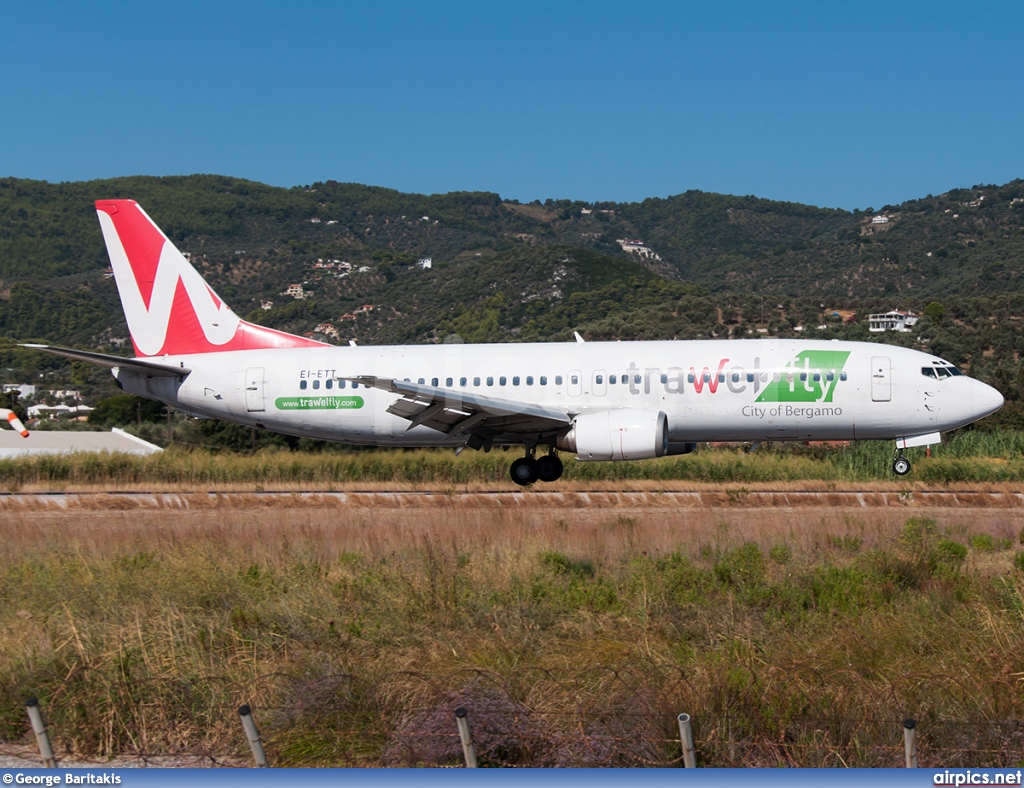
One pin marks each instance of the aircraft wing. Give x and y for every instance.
(152, 369)
(462, 413)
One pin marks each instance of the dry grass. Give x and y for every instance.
(793, 635)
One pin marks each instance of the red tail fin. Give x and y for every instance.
(170, 308)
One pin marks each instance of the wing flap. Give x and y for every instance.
(457, 413)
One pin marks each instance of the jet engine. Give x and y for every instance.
(624, 434)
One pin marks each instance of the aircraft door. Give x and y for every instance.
(881, 379)
(575, 383)
(600, 387)
(254, 390)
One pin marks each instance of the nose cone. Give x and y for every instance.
(986, 400)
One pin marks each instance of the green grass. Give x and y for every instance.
(968, 457)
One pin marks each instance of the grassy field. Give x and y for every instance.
(574, 636)
(968, 457)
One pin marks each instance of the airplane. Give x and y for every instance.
(595, 400)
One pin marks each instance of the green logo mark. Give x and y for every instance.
(318, 403)
(798, 384)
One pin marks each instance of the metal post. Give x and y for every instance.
(686, 737)
(910, 742)
(253, 736)
(42, 738)
(467, 738)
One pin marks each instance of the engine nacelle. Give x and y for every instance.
(624, 434)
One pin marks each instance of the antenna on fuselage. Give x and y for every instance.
(579, 340)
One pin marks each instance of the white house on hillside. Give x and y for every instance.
(894, 320)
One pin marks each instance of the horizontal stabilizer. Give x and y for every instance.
(152, 369)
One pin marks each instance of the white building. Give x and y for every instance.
(638, 248)
(53, 411)
(25, 390)
(425, 262)
(893, 320)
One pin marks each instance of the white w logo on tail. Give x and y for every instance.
(169, 307)
(150, 323)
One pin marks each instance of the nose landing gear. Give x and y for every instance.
(900, 464)
(526, 470)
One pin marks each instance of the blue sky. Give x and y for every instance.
(840, 105)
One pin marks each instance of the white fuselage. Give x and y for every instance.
(710, 390)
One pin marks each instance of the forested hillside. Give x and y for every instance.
(701, 265)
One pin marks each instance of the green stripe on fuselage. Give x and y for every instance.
(790, 388)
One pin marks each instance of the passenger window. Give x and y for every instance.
(612, 379)
(735, 377)
(750, 377)
(789, 377)
(529, 380)
(599, 379)
(776, 377)
(816, 377)
(502, 380)
(721, 377)
(803, 376)
(329, 384)
(515, 380)
(490, 381)
(543, 380)
(764, 377)
(355, 385)
(462, 381)
(449, 382)
(302, 385)
(842, 376)
(341, 384)
(558, 380)
(316, 384)
(407, 380)
(689, 378)
(830, 376)
(433, 382)
(575, 380)
(421, 381)
(636, 378)
(707, 377)
(928, 372)
(664, 378)
(476, 381)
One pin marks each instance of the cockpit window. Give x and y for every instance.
(941, 370)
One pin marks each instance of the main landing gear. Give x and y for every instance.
(900, 464)
(526, 470)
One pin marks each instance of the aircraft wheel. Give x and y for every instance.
(524, 471)
(549, 468)
(901, 466)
